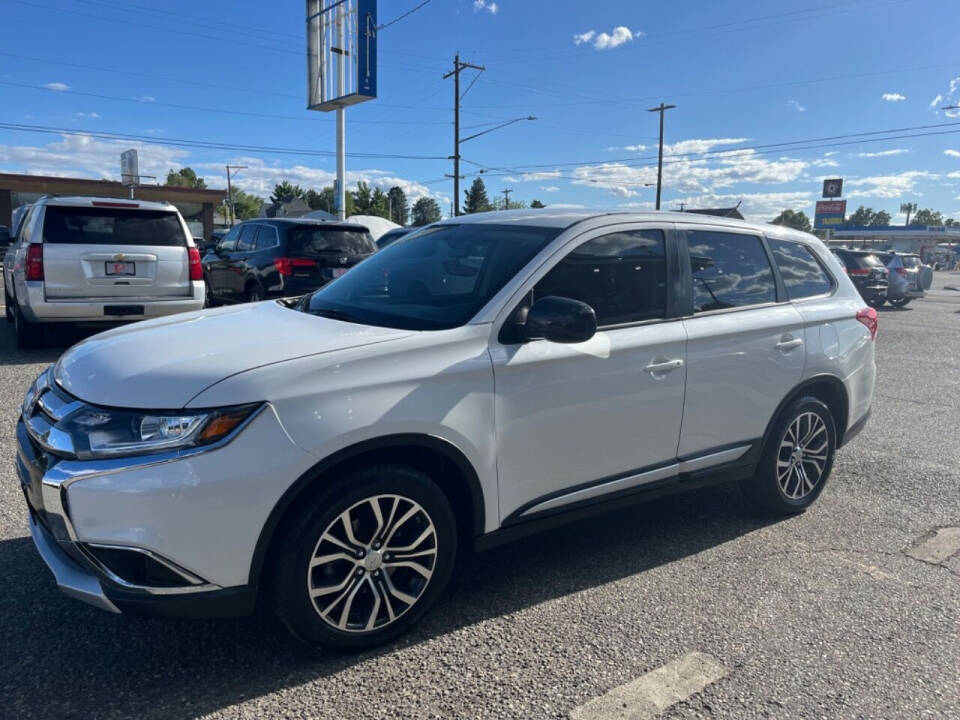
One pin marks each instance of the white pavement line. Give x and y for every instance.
(651, 694)
(935, 550)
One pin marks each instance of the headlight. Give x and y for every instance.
(98, 432)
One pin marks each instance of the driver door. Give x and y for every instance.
(579, 422)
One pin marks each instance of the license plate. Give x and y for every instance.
(121, 268)
(337, 272)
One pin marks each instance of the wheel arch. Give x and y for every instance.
(439, 458)
(830, 390)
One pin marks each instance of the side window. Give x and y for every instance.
(803, 275)
(229, 241)
(729, 270)
(622, 276)
(267, 237)
(248, 238)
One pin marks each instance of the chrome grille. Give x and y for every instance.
(44, 406)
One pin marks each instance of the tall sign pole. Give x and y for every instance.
(341, 192)
(661, 108)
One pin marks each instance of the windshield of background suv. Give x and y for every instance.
(910, 261)
(319, 240)
(434, 279)
(866, 261)
(110, 226)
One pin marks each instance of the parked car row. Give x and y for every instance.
(479, 380)
(883, 277)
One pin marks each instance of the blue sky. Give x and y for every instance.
(743, 73)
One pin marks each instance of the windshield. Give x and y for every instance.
(910, 261)
(868, 261)
(433, 279)
(318, 240)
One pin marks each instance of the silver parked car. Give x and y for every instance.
(97, 261)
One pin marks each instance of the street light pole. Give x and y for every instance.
(660, 109)
(230, 190)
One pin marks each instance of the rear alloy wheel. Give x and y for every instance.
(368, 561)
(797, 459)
(876, 303)
(900, 302)
(254, 293)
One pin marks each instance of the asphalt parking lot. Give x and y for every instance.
(842, 612)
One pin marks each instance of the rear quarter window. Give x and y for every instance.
(803, 275)
(111, 226)
(316, 240)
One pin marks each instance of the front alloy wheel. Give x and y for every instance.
(365, 559)
(372, 563)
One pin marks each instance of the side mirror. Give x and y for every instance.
(210, 247)
(560, 320)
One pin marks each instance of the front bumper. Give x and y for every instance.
(199, 515)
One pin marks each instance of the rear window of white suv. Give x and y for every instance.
(111, 226)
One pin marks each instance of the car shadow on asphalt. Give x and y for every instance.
(64, 659)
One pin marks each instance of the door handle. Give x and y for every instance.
(664, 366)
(788, 343)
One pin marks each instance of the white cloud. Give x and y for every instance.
(147, 98)
(532, 176)
(893, 97)
(490, 7)
(550, 188)
(831, 153)
(91, 115)
(936, 101)
(955, 174)
(627, 148)
(889, 186)
(58, 86)
(84, 156)
(699, 145)
(824, 162)
(952, 153)
(796, 106)
(883, 153)
(605, 41)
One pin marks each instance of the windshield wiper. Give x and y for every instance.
(335, 315)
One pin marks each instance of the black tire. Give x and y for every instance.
(255, 293)
(368, 583)
(900, 302)
(8, 305)
(29, 335)
(208, 301)
(765, 489)
(876, 303)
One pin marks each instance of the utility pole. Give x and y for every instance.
(506, 198)
(660, 109)
(230, 190)
(340, 193)
(457, 67)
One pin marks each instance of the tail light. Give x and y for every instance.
(286, 265)
(858, 273)
(35, 261)
(900, 271)
(196, 269)
(868, 316)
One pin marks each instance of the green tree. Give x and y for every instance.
(536, 204)
(863, 217)
(363, 199)
(399, 209)
(928, 217)
(475, 198)
(284, 192)
(245, 205)
(324, 199)
(795, 219)
(425, 211)
(185, 177)
(881, 219)
(379, 205)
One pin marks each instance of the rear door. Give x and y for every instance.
(236, 267)
(215, 264)
(745, 346)
(114, 251)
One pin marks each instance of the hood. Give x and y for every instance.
(163, 363)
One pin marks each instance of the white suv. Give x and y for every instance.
(99, 260)
(477, 380)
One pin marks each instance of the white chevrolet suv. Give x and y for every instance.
(92, 261)
(477, 380)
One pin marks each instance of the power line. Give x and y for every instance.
(221, 111)
(206, 144)
(402, 16)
